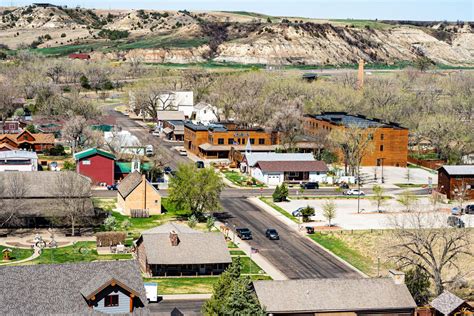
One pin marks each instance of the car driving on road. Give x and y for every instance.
(244, 233)
(354, 192)
(310, 185)
(182, 152)
(272, 234)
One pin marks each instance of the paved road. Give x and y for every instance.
(186, 307)
(294, 255)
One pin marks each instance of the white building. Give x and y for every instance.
(250, 159)
(277, 172)
(18, 160)
(124, 142)
(173, 101)
(204, 113)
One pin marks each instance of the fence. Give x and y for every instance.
(141, 213)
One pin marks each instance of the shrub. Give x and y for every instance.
(113, 34)
(210, 223)
(63, 35)
(110, 223)
(68, 165)
(57, 150)
(192, 222)
(307, 212)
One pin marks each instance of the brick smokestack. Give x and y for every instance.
(174, 239)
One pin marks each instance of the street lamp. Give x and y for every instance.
(383, 180)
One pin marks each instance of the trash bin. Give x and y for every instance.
(310, 230)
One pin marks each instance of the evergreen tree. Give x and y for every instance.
(242, 301)
(418, 283)
(284, 192)
(276, 194)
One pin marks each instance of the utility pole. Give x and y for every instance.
(358, 186)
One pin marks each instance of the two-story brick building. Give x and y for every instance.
(218, 140)
(389, 140)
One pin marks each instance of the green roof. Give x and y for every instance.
(91, 152)
(102, 127)
(126, 167)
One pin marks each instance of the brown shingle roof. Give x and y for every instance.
(292, 166)
(331, 295)
(131, 181)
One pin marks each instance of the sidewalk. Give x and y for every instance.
(296, 227)
(260, 260)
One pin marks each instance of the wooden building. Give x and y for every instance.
(389, 140)
(28, 141)
(456, 181)
(96, 164)
(216, 141)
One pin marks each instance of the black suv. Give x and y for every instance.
(244, 233)
(272, 234)
(310, 185)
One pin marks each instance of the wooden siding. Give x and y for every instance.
(124, 301)
(448, 184)
(99, 169)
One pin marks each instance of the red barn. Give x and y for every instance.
(82, 56)
(96, 164)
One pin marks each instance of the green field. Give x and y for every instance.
(17, 253)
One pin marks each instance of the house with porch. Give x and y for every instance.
(136, 193)
(277, 172)
(86, 288)
(26, 140)
(250, 159)
(178, 250)
(344, 297)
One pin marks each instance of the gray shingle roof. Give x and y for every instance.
(327, 295)
(194, 247)
(253, 158)
(459, 170)
(56, 289)
(129, 184)
(446, 303)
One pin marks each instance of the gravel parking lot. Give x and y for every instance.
(348, 218)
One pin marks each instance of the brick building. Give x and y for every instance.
(456, 181)
(217, 140)
(389, 140)
(135, 192)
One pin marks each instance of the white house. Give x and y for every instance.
(204, 113)
(250, 159)
(124, 142)
(18, 160)
(277, 172)
(173, 101)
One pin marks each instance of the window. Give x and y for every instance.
(230, 141)
(157, 202)
(243, 141)
(86, 162)
(371, 136)
(381, 147)
(252, 141)
(381, 136)
(261, 141)
(220, 141)
(111, 300)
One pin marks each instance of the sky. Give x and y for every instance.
(428, 10)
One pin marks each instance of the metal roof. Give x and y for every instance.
(292, 166)
(91, 152)
(345, 119)
(18, 154)
(459, 170)
(253, 158)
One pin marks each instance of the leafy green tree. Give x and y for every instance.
(277, 194)
(329, 211)
(195, 190)
(242, 300)
(423, 63)
(284, 192)
(418, 283)
(306, 213)
(69, 165)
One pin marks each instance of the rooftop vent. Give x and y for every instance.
(174, 239)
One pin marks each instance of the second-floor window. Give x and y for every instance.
(111, 300)
(381, 136)
(252, 141)
(381, 147)
(261, 141)
(230, 141)
(220, 141)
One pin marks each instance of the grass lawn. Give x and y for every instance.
(17, 253)
(341, 249)
(242, 179)
(80, 252)
(269, 202)
(249, 266)
(230, 244)
(335, 197)
(410, 185)
(237, 253)
(185, 285)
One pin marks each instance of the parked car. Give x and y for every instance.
(344, 186)
(112, 187)
(272, 234)
(455, 221)
(456, 210)
(183, 152)
(310, 185)
(167, 169)
(469, 209)
(297, 212)
(354, 192)
(199, 164)
(155, 132)
(244, 233)
(149, 150)
(53, 166)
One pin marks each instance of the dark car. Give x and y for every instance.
(310, 185)
(344, 186)
(455, 221)
(167, 170)
(469, 209)
(272, 234)
(244, 233)
(112, 187)
(199, 164)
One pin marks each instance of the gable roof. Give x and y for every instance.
(39, 138)
(47, 289)
(446, 303)
(329, 295)
(129, 183)
(459, 170)
(170, 115)
(93, 151)
(292, 166)
(18, 154)
(194, 247)
(101, 281)
(253, 158)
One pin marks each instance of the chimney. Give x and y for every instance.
(174, 238)
(397, 276)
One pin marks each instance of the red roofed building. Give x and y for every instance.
(277, 172)
(26, 140)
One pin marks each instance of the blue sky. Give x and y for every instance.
(451, 10)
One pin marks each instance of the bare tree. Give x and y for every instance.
(78, 134)
(379, 197)
(13, 190)
(288, 122)
(7, 100)
(462, 192)
(422, 240)
(407, 199)
(74, 194)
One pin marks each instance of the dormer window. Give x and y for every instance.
(111, 300)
